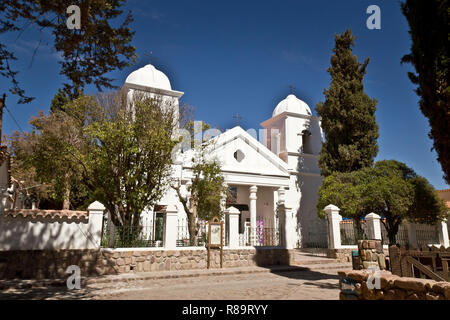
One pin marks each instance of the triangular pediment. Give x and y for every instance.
(239, 152)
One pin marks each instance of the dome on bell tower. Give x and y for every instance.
(292, 104)
(149, 76)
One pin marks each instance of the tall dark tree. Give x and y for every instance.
(430, 55)
(101, 45)
(60, 99)
(348, 114)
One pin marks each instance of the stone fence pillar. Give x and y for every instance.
(287, 226)
(170, 227)
(443, 234)
(233, 227)
(373, 226)
(95, 226)
(412, 235)
(334, 228)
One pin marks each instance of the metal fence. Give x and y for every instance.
(427, 234)
(316, 236)
(401, 237)
(350, 233)
(266, 234)
(146, 234)
(183, 239)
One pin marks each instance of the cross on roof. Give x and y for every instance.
(150, 57)
(237, 117)
(291, 88)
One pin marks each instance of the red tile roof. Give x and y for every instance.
(51, 214)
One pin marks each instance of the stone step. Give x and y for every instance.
(312, 262)
(332, 266)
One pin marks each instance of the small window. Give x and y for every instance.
(306, 141)
(239, 155)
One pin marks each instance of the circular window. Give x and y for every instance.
(239, 155)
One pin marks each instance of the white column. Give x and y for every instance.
(374, 226)
(443, 234)
(287, 226)
(252, 198)
(233, 227)
(412, 236)
(334, 228)
(170, 227)
(95, 210)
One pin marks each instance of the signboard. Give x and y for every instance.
(215, 238)
(348, 286)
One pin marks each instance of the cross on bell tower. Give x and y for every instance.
(291, 88)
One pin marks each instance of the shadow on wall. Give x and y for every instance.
(44, 247)
(313, 230)
(20, 233)
(272, 257)
(49, 264)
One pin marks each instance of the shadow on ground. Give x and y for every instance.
(47, 293)
(303, 273)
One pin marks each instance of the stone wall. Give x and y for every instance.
(342, 255)
(370, 255)
(345, 254)
(355, 285)
(52, 264)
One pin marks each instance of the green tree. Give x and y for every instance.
(344, 190)
(207, 189)
(117, 150)
(48, 151)
(24, 172)
(348, 114)
(127, 160)
(430, 56)
(88, 54)
(390, 189)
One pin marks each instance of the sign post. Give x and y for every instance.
(215, 238)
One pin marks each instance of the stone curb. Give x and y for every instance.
(192, 274)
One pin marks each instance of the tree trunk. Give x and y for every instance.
(392, 230)
(359, 233)
(66, 199)
(192, 233)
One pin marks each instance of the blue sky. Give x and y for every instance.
(240, 56)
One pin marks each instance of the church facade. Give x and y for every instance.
(280, 166)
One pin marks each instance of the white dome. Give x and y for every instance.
(149, 76)
(292, 104)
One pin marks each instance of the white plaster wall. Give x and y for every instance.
(253, 161)
(294, 127)
(264, 204)
(311, 228)
(25, 234)
(270, 138)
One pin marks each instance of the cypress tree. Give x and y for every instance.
(430, 55)
(348, 114)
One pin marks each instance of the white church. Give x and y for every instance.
(282, 165)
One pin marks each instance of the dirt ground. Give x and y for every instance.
(293, 285)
